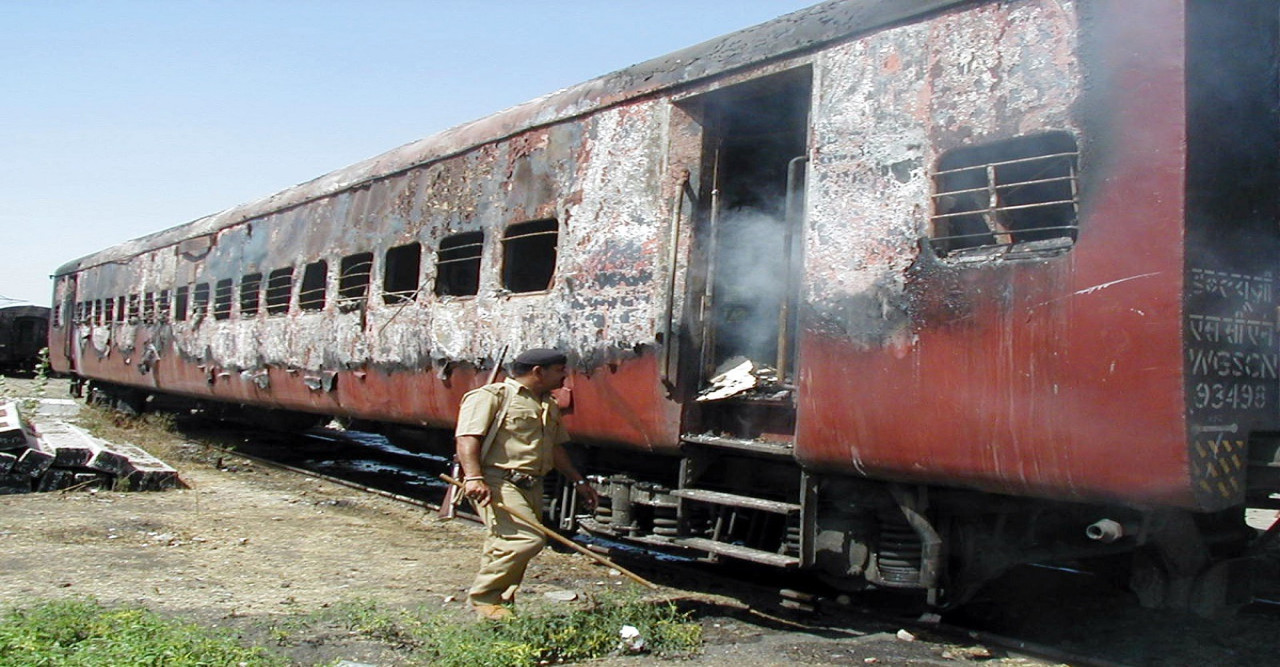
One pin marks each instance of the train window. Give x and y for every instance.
(529, 255)
(162, 306)
(279, 290)
(354, 274)
(1008, 198)
(200, 301)
(222, 292)
(400, 275)
(458, 264)
(121, 309)
(149, 307)
(314, 279)
(97, 311)
(250, 294)
(180, 303)
(108, 311)
(135, 308)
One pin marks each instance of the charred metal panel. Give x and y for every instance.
(1055, 375)
(395, 359)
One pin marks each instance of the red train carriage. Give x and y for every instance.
(902, 291)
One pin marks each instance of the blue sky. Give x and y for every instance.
(123, 117)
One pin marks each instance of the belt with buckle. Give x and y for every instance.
(520, 479)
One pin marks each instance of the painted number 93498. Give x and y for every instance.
(1234, 396)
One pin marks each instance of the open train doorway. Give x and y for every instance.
(755, 137)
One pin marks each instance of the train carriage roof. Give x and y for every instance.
(787, 35)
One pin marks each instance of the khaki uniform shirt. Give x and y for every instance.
(530, 430)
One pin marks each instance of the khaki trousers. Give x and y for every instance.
(510, 543)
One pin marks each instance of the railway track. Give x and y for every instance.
(1108, 625)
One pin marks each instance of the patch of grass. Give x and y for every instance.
(78, 632)
(544, 636)
(155, 432)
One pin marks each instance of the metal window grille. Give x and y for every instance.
(200, 301)
(222, 293)
(180, 298)
(354, 275)
(458, 264)
(162, 306)
(311, 294)
(250, 294)
(401, 272)
(279, 290)
(1021, 192)
(529, 255)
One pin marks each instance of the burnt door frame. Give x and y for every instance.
(743, 295)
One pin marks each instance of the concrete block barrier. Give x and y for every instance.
(62, 456)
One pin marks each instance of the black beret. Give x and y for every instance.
(541, 356)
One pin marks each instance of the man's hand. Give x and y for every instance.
(477, 490)
(588, 495)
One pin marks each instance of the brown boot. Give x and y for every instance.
(492, 612)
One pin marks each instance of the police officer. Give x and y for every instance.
(526, 443)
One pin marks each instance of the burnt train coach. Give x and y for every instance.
(24, 330)
(905, 292)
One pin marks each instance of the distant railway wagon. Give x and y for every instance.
(24, 331)
(904, 292)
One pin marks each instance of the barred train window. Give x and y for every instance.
(400, 275)
(222, 291)
(179, 303)
(162, 306)
(314, 279)
(279, 290)
(1008, 198)
(199, 301)
(529, 255)
(354, 274)
(458, 264)
(250, 291)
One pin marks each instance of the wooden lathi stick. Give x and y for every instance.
(537, 525)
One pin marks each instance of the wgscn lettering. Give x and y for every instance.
(1236, 364)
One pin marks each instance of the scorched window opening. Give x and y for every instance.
(458, 264)
(355, 272)
(200, 301)
(279, 291)
(250, 294)
(529, 255)
(401, 272)
(180, 296)
(1021, 192)
(315, 278)
(222, 292)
